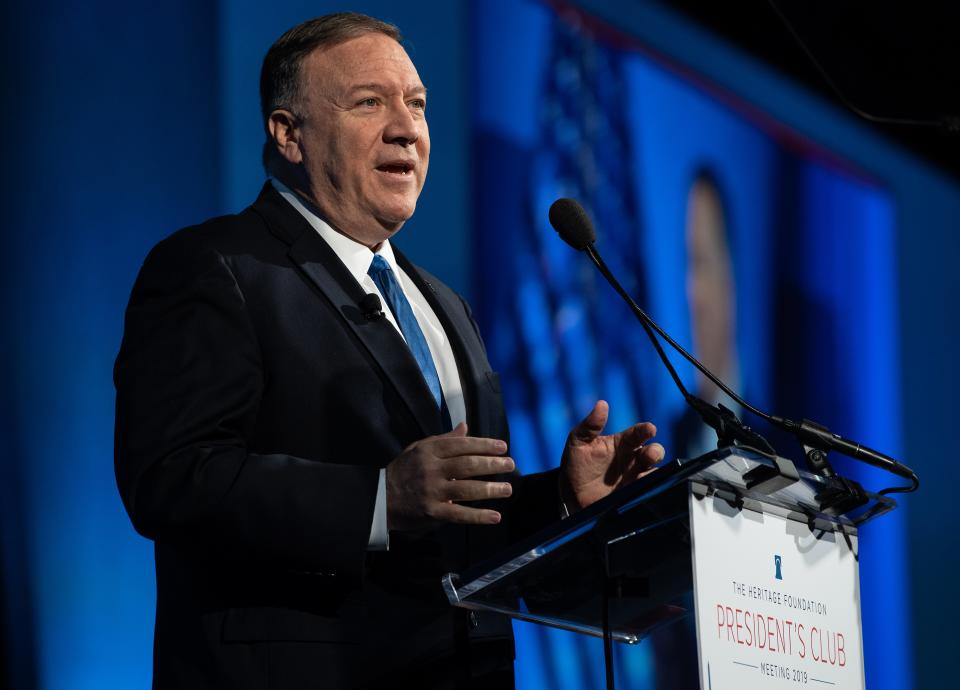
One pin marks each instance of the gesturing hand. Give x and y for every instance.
(426, 482)
(594, 465)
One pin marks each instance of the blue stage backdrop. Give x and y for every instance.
(568, 107)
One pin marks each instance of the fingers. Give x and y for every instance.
(653, 453)
(592, 425)
(447, 446)
(633, 443)
(472, 490)
(427, 481)
(637, 435)
(635, 456)
(643, 461)
(453, 512)
(643, 454)
(462, 467)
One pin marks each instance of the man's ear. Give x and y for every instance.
(282, 125)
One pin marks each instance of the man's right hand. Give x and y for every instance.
(428, 481)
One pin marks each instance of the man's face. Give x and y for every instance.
(363, 139)
(710, 285)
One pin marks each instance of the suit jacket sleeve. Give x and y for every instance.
(535, 502)
(189, 380)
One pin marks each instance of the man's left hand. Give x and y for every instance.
(593, 465)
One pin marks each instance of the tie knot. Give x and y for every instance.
(378, 265)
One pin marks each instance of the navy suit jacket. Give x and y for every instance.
(255, 408)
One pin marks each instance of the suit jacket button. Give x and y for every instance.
(474, 619)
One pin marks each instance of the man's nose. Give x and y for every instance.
(402, 127)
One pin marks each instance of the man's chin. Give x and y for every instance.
(393, 219)
(388, 229)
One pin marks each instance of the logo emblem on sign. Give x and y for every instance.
(777, 561)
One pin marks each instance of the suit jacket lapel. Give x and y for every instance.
(321, 266)
(458, 327)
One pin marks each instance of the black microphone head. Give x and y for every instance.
(572, 223)
(370, 306)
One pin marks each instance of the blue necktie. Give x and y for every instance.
(389, 287)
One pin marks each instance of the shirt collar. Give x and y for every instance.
(355, 256)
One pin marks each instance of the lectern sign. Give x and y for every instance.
(777, 604)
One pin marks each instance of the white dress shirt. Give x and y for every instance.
(357, 258)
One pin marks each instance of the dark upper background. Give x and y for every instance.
(889, 60)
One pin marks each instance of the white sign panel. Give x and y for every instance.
(777, 605)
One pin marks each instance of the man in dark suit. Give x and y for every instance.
(310, 461)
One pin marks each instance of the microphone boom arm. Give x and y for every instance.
(816, 439)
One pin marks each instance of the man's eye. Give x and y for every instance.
(368, 102)
(418, 103)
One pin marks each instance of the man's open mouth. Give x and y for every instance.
(396, 167)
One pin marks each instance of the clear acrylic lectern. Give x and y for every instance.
(632, 549)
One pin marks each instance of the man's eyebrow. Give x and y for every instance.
(373, 86)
